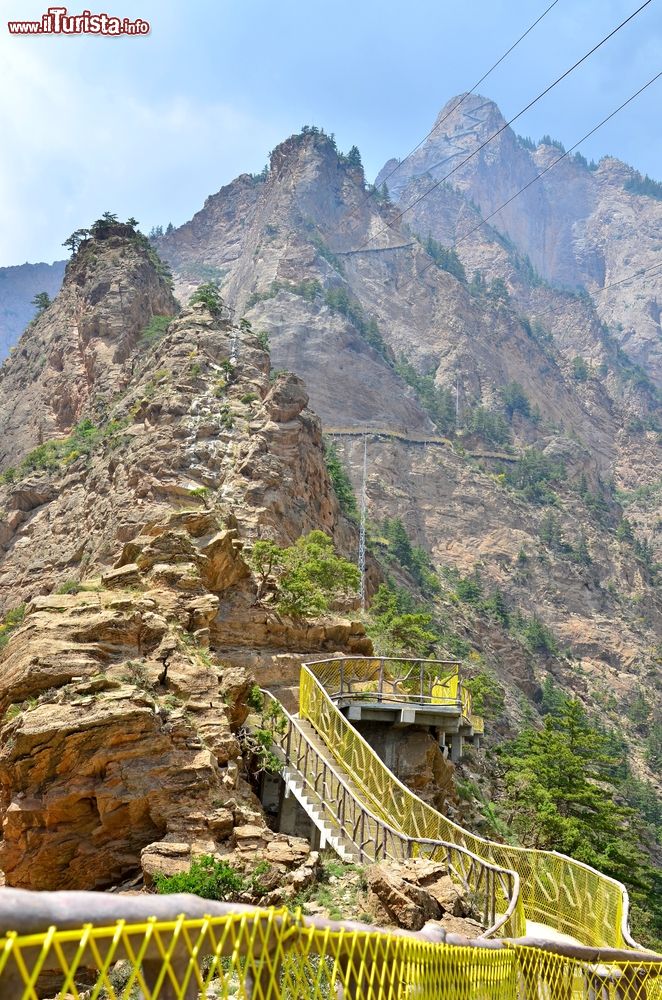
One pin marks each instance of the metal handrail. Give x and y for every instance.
(29, 912)
(528, 855)
(355, 832)
(429, 675)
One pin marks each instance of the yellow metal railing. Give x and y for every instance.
(406, 679)
(494, 891)
(556, 890)
(251, 954)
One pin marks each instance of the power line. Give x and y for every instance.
(475, 87)
(635, 274)
(508, 123)
(567, 152)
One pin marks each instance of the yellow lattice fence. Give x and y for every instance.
(276, 955)
(494, 890)
(556, 890)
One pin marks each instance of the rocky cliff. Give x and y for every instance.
(164, 445)
(581, 226)
(18, 287)
(145, 446)
(388, 330)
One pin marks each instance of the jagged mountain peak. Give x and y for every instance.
(462, 125)
(468, 110)
(76, 355)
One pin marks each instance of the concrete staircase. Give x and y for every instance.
(330, 833)
(299, 784)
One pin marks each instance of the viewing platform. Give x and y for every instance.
(403, 692)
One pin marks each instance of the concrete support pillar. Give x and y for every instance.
(457, 743)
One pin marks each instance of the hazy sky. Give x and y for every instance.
(149, 126)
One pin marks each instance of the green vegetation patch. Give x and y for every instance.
(154, 331)
(569, 789)
(342, 484)
(308, 574)
(12, 620)
(53, 455)
(437, 402)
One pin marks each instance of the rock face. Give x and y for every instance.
(124, 686)
(79, 349)
(344, 289)
(411, 893)
(416, 759)
(579, 227)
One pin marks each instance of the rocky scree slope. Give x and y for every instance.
(136, 633)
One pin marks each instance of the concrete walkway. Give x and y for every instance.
(546, 933)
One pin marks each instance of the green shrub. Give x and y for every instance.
(532, 475)
(53, 455)
(308, 574)
(412, 558)
(515, 400)
(537, 636)
(550, 532)
(13, 619)
(209, 296)
(487, 695)
(226, 417)
(206, 877)
(325, 251)
(437, 402)
(580, 369)
(445, 258)
(338, 300)
(643, 184)
(468, 590)
(495, 606)
(308, 288)
(255, 698)
(397, 625)
(490, 426)
(154, 331)
(498, 291)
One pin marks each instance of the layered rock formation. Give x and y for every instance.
(124, 686)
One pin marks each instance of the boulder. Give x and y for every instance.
(410, 893)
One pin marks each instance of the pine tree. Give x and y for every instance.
(624, 532)
(41, 301)
(74, 241)
(398, 541)
(581, 553)
(354, 157)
